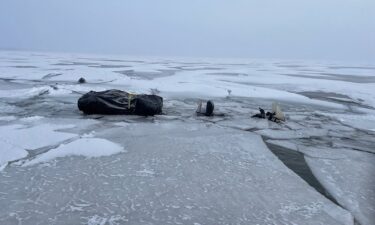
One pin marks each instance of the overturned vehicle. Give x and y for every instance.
(117, 102)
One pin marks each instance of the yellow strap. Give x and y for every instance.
(129, 99)
(130, 96)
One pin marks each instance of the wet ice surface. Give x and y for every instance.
(172, 173)
(61, 167)
(356, 193)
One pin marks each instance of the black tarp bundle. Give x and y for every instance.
(120, 102)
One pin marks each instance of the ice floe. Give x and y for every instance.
(10, 152)
(15, 139)
(344, 173)
(291, 134)
(32, 138)
(348, 179)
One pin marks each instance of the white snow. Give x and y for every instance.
(112, 220)
(32, 138)
(271, 84)
(89, 147)
(193, 84)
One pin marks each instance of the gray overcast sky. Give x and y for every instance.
(317, 29)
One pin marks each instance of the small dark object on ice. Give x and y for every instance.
(120, 102)
(54, 86)
(275, 116)
(205, 111)
(262, 114)
(271, 117)
(82, 80)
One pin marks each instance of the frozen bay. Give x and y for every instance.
(61, 167)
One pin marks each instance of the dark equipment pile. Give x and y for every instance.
(114, 102)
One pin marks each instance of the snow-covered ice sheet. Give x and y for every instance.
(251, 78)
(16, 139)
(89, 147)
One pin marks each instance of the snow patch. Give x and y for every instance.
(31, 138)
(16, 139)
(31, 118)
(88, 147)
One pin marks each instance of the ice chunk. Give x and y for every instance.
(292, 134)
(246, 124)
(89, 147)
(345, 173)
(9, 152)
(16, 139)
(359, 121)
(284, 144)
(31, 138)
(349, 180)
